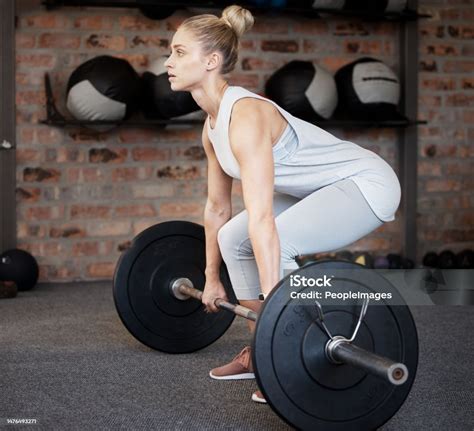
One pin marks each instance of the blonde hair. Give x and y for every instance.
(221, 34)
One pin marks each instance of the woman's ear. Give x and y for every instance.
(214, 60)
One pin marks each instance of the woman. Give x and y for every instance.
(304, 190)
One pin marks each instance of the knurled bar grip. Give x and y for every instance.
(338, 350)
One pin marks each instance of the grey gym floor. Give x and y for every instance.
(67, 361)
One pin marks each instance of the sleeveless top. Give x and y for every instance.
(312, 159)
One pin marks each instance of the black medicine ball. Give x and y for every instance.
(19, 266)
(304, 89)
(103, 88)
(368, 90)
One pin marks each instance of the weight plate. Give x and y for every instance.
(292, 370)
(142, 295)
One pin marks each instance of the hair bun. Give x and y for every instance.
(238, 18)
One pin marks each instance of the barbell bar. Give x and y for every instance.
(339, 350)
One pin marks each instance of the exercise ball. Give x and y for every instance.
(362, 5)
(103, 88)
(158, 100)
(368, 90)
(20, 267)
(304, 89)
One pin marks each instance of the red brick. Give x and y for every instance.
(109, 228)
(67, 231)
(179, 173)
(87, 248)
(90, 211)
(139, 136)
(248, 45)
(150, 154)
(459, 66)
(467, 83)
(461, 31)
(191, 189)
(142, 41)
(426, 168)
(93, 22)
(112, 43)
(41, 175)
(256, 63)
(280, 46)
(138, 23)
(102, 270)
(106, 155)
(444, 185)
(309, 27)
(351, 28)
(135, 210)
(46, 20)
(24, 41)
(195, 152)
(132, 173)
(27, 155)
(87, 175)
(439, 49)
(427, 30)
(368, 47)
(185, 209)
(460, 99)
(26, 61)
(428, 66)
(49, 135)
(29, 78)
(429, 100)
(59, 41)
(29, 98)
(459, 168)
(152, 191)
(250, 81)
(85, 136)
(64, 155)
(44, 213)
(438, 83)
(28, 194)
(468, 117)
(28, 230)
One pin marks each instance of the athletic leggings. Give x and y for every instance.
(326, 220)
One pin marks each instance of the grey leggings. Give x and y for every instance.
(326, 220)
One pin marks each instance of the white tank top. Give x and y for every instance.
(314, 160)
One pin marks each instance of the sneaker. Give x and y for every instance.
(238, 369)
(257, 396)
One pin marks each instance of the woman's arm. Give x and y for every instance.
(218, 209)
(250, 139)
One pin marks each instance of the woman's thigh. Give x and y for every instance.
(330, 218)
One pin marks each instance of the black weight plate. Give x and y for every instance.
(142, 279)
(296, 378)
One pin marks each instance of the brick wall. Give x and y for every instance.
(83, 194)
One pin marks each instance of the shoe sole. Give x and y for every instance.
(243, 376)
(259, 400)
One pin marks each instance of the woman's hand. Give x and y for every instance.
(213, 289)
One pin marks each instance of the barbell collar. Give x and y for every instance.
(341, 351)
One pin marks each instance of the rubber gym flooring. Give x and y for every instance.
(67, 361)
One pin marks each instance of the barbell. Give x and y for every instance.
(333, 364)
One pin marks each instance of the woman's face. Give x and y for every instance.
(187, 64)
